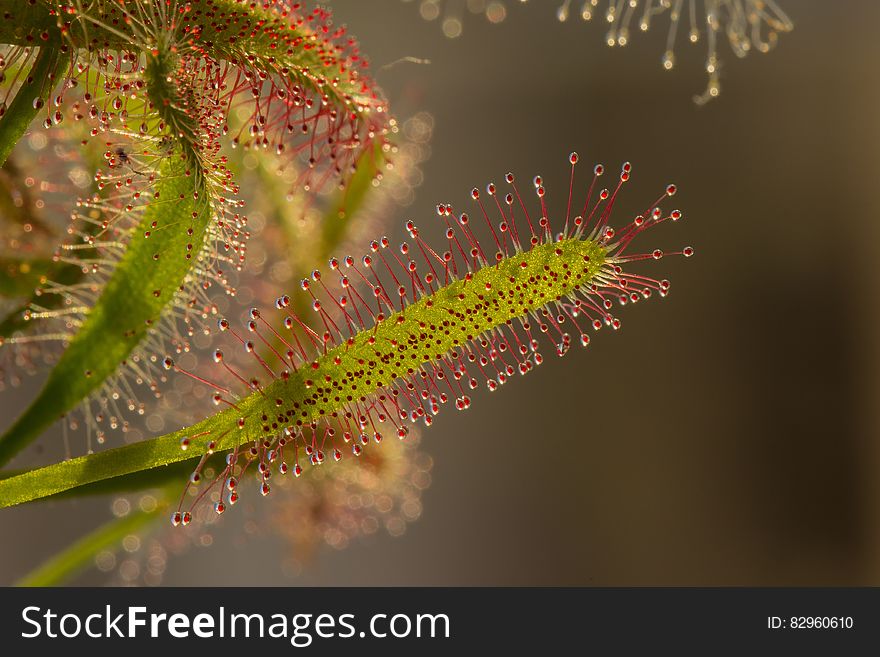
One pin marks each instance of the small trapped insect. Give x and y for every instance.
(408, 330)
(120, 156)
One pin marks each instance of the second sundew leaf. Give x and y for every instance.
(295, 83)
(164, 233)
(342, 208)
(349, 199)
(396, 351)
(77, 557)
(141, 286)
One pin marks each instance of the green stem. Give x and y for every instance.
(75, 558)
(22, 110)
(134, 482)
(153, 454)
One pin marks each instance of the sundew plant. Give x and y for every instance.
(115, 281)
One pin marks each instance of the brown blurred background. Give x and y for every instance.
(729, 435)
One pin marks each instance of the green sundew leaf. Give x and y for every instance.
(132, 483)
(125, 310)
(247, 35)
(79, 556)
(307, 65)
(94, 468)
(334, 227)
(347, 201)
(147, 278)
(132, 301)
(45, 72)
(342, 367)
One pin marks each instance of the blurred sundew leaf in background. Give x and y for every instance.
(125, 532)
(44, 172)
